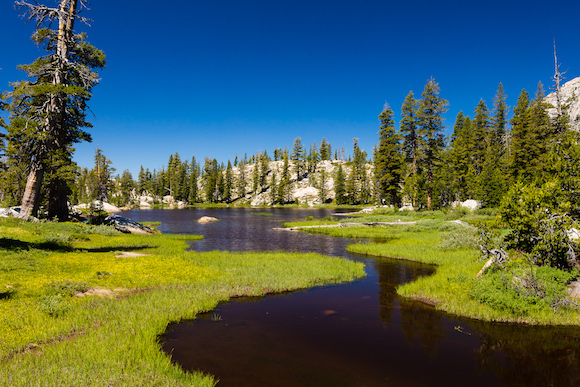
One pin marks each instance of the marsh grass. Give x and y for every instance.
(49, 336)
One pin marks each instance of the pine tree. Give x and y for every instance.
(103, 172)
(322, 185)
(540, 133)
(388, 159)
(521, 135)
(228, 183)
(339, 187)
(459, 154)
(325, 150)
(241, 183)
(53, 103)
(264, 169)
(210, 177)
(499, 120)
(273, 191)
(284, 185)
(409, 130)
(193, 177)
(255, 175)
(430, 118)
(480, 128)
(492, 185)
(298, 157)
(126, 187)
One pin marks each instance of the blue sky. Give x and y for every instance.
(224, 77)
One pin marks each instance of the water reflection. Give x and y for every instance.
(359, 334)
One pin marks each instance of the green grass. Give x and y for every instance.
(453, 288)
(51, 337)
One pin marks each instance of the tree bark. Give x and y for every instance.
(31, 199)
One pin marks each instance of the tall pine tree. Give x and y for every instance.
(430, 118)
(388, 159)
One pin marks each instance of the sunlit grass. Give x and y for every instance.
(113, 340)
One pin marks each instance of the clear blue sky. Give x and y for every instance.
(219, 78)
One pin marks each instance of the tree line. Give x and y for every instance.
(414, 164)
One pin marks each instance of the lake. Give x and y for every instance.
(354, 334)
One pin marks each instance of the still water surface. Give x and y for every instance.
(356, 334)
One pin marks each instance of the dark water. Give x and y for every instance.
(358, 334)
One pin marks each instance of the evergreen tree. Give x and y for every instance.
(499, 120)
(255, 176)
(284, 185)
(220, 185)
(492, 185)
(352, 188)
(313, 158)
(339, 187)
(521, 136)
(264, 169)
(325, 150)
(430, 118)
(210, 177)
(322, 185)
(241, 182)
(480, 129)
(273, 191)
(126, 186)
(409, 130)
(459, 157)
(228, 183)
(193, 177)
(388, 159)
(298, 157)
(103, 172)
(540, 133)
(53, 103)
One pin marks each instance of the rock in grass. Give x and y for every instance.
(127, 225)
(207, 219)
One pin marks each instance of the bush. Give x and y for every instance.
(537, 217)
(459, 238)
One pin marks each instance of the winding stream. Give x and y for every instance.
(356, 334)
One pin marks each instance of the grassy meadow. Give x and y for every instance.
(54, 332)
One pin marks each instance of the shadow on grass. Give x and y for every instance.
(114, 248)
(15, 245)
(18, 245)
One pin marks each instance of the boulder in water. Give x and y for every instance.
(207, 219)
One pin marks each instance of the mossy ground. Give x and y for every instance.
(49, 336)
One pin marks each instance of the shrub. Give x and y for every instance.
(459, 238)
(537, 217)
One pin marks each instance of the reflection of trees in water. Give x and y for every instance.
(530, 356)
(418, 322)
(421, 323)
